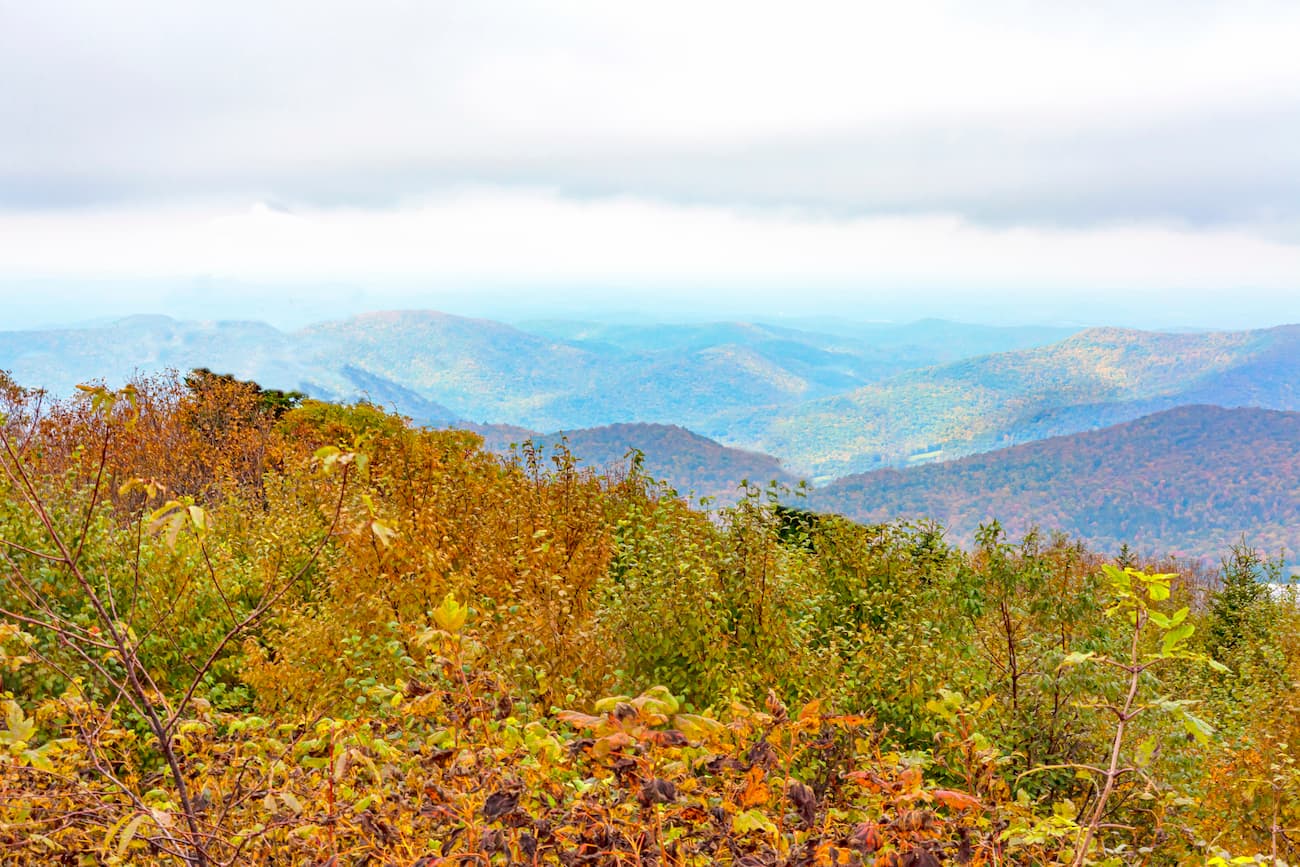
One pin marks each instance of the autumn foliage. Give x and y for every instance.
(240, 629)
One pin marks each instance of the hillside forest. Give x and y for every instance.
(242, 627)
(1190, 481)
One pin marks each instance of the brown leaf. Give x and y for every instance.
(866, 838)
(762, 754)
(919, 857)
(500, 804)
(804, 801)
(669, 738)
(657, 791)
(776, 707)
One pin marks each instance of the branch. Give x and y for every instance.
(262, 607)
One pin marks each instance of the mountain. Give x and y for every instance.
(1097, 377)
(834, 355)
(561, 374)
(59, 359)
(1188, 481)
(435, 367)
(852, 398)
(688, 462)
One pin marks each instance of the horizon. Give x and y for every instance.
(289, 322)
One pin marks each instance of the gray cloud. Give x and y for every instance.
(1004, 114)
(1238, 167)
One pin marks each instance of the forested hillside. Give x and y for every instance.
(236, 630)
(1098, 377)
(1191, 481)
(689, 463)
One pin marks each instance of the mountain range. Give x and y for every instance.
(545, 376)
(850, 398)
(1188, 481)
(1094, 378)
(1060, 427)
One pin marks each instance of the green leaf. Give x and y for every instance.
(1158, 591)
(1197, 727)
(609, 702)
(1065, 810)
(1145, 751)
(199, 518)
(752, 820)
(1175, 637)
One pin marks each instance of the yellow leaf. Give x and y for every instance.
(384, 533)
(450, 616)
(128, 834)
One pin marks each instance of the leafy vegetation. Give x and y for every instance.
(1190, 481)
(235, 632)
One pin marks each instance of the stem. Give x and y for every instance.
(1135, 669)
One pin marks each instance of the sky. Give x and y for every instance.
(1003, 160)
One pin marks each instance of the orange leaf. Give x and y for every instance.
(909, 781)
(831, 855)
(810, 716)
(611, 743)
(756, 793)
(867, 780)
(955, 800)
(579, 720)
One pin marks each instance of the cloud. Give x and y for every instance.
(1002, 112)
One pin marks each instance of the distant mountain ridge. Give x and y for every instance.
(435, 367)
(1094, 433)
(857, 397)
(1097, 377)
(1190, 480)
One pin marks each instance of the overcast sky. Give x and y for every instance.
(1132, 163)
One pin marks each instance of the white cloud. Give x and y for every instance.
(521, 238)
